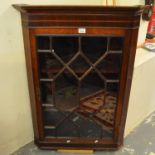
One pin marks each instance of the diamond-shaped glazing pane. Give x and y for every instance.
(79, 66)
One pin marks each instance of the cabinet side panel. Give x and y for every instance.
(36, 82)
(29, 67)
(126, 81)
(132, 51)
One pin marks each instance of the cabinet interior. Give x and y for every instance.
(79, 84)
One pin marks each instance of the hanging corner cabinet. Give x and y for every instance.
(79, 65)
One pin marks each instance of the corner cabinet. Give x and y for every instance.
(79, 64)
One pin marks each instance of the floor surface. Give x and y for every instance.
(141, 141)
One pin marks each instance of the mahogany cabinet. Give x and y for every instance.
(79, 64)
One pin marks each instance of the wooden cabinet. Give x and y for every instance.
(79, 64)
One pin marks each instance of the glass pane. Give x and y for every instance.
(89, 105)
(49, 66)
(46, 92)
(110, 66)
(65, 47)
(94, 47)
(116, 43)
(91, 84)
(79, 66)
(49, 132)
(66, 91)
(43, 43)
(87, 128)
(67, 129)
(112, 87)
(52, 117)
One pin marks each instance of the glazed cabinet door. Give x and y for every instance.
(78, 82)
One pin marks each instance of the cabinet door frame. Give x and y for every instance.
(123, 96)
